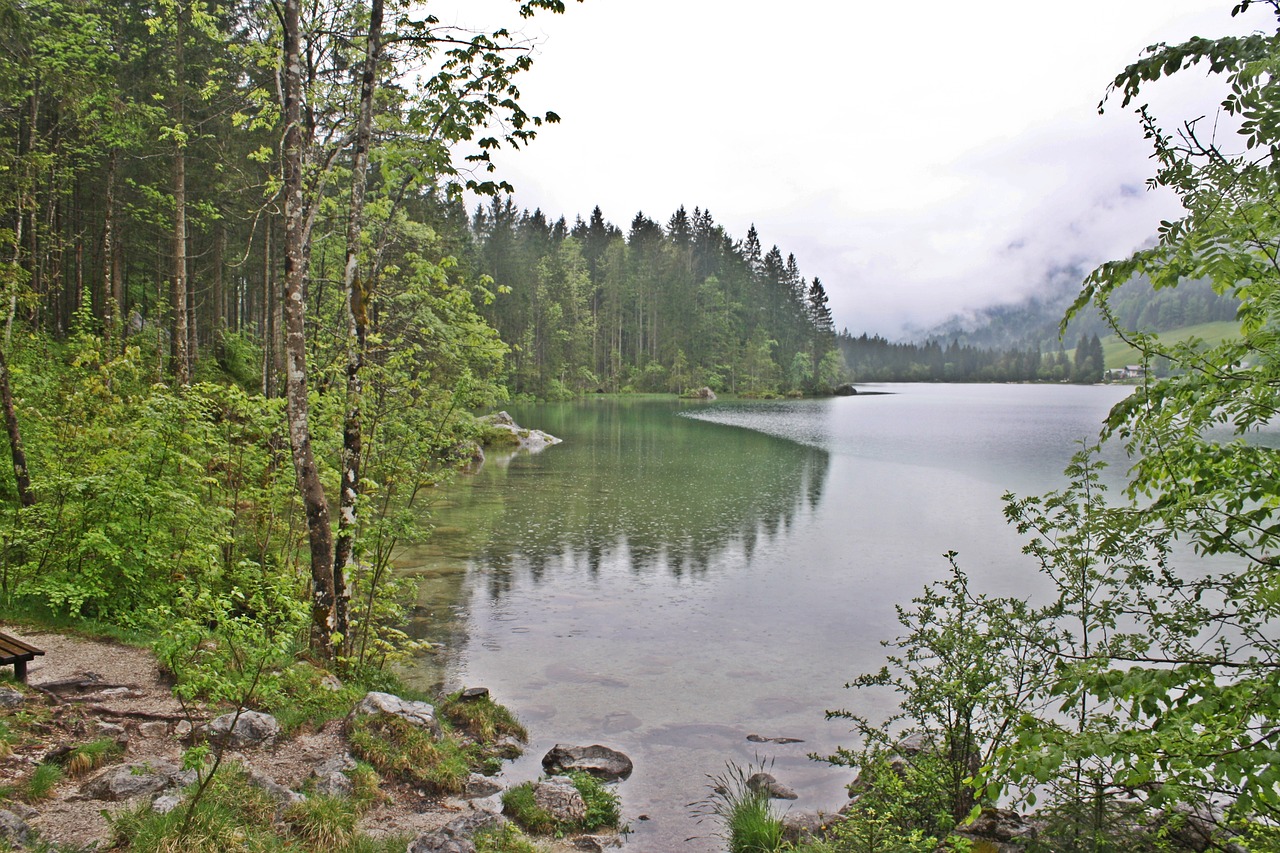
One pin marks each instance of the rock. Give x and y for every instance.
(763, 739)
(166, 803)
(153, 728)
(244, 730)
(101, 728)
(474, 694)
(845, 390)
(278, 792)
(801, 827)
(478, 787)
(330, 778)
(507, 748)
(455, 836)
(331, 683)
(532, 440)
(703, 393)
(13, 829)
(126, 781)
(600, 761)
(10, 698)
(440, 841)
(764, 783)
(912, 745)
(421, 714)
(998, 825)
(559, 798)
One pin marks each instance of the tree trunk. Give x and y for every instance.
(178, 332)
(110, 307)
(21, 478)
(323, 623)
(357, 298)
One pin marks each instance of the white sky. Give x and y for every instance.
(922, 158)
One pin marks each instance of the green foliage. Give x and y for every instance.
(90, 756)
(323, 822)
(964, 673)
(40, 784)
(397, 748)
(603, 808)
(482, 718)
(303, 695)
(747, 821)
(504, 839)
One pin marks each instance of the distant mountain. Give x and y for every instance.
(1034, 321)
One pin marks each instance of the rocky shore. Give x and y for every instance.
(93, 690)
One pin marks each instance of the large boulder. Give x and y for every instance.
(1001, 829)
(245, 730)
(420, 714)
(600, 761)
(845, 390)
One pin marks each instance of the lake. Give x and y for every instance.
(679, 575)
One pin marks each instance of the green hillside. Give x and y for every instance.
(1117, 353)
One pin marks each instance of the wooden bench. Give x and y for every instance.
(14, 651)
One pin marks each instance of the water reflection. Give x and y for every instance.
(634, 488)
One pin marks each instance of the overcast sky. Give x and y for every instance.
(922, 158)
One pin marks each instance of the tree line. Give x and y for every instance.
(587, 307)
(871, 358)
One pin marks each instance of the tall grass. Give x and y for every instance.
(746, 817)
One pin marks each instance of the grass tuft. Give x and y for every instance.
(398, 748)
(747, 821)
(43, 780)
(504, 839)
(483, 719)
(90, 756)
(323, 822)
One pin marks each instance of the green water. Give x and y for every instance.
(677, 576)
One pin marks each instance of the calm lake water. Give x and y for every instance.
(677, 576)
